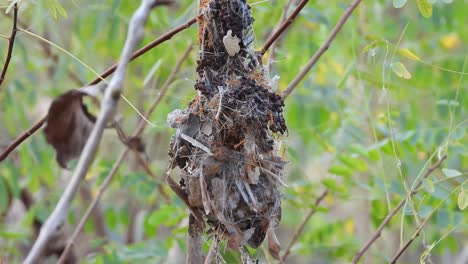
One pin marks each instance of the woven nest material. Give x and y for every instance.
(227, 139)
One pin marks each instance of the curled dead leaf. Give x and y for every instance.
(69, 125)
(137, 144)
(273, 244)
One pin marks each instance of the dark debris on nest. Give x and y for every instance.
(227, 139)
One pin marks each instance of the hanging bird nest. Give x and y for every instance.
(228, 138)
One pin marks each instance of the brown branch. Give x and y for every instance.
(275, 43)
(99, 222)
(123, 155)
(163, 2)
(301, 227)
(392, 213)
(403, 249)
(322, 49)
(167, 36)
(11, 42)
(275, 35)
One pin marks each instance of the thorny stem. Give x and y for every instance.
(163, 38)
(322, 49)
(123, 155)
(11, 42)
(301, 227)
(108, 107)
(392, 213)
(275, 35)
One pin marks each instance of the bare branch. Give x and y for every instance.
(163, 38)
(124, 153)
(322, 49)
(11, 42)
(274, 36)
(392, 213)
(301, 227)
(108, 106)
(275, 44)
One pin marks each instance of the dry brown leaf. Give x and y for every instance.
(273, 244)
(69, 125)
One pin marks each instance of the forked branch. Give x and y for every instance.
(392, 213)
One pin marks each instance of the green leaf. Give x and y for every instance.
(451, 172)
(399, 3)
(10, 6)
(400, 70)
(340, 170)
(409, 54)
(4, 196)
(462, 199)
(425, 8)
(429, 185)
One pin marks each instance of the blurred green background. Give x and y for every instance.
(385, 101)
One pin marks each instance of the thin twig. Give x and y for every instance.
(392, 213)
(421, 225)
(108, 107)
(301, 227)
(275, 43)
(11, 42)
(322, 49)
(124, 153)
(163, 38)
(274, 36)
(212, 252)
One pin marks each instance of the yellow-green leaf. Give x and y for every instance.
(462, 199)
(425, 8)
(400, 70)
(409, 54)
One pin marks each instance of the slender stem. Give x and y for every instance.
(421, 225)
(322, 49)
(11, 42)
(275, 35)
(108, 107)
(301, 227)
(392, 213)
(138, 131)
(163, 38)
(275, 44)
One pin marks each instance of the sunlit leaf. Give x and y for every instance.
(399, 3)
(341, 170)
(451, 172)
(462, 199)
(409, 54)
(400, 70)
(425, 8)
(10, 6)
